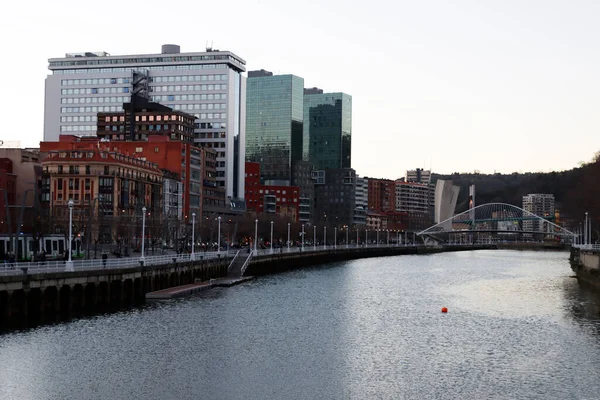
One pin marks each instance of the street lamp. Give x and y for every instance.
(388, 237)
(302, 237)
(288, 241)
(193, 235)
(346, 236)
(271, 237)
(335, 237)
(142, 258)
(325, 238)
(219, 236)
(377, 238)
(69, 263)
(314, 237)
(255, 234)
(357, 237)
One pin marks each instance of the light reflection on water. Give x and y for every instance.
(518, 327)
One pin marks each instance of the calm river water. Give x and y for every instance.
(518, 327)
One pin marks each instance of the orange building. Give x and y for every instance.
(108, 189)
(181, 158)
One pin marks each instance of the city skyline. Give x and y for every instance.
(426, 81)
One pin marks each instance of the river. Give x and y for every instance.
(518, 327)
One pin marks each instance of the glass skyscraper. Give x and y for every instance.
(327, 132)
(274, 118)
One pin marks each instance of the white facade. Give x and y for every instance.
(208, 85)
(412, 197)
(418, 175)
(361, 199)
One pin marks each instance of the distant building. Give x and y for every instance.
(283, 201)
(416, 202)
(540, 204)
(27, 169)
(418, 175)
(208, 84)
(327, 137)
(445, 198)
(381, 195)
(8, 195)
(108, 187)
(361, 201)
(274, 116)
(302, 178)
(335, 197)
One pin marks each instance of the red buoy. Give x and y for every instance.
(444, 310)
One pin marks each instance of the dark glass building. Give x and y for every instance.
(274, 118)
(327, 129)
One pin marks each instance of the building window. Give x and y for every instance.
(87, 170)
(138, 149)
(106, 170)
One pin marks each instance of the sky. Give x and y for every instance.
(455, 86)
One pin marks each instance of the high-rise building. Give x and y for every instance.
(327, 129)
(274, 113)
(540, 204)
(208, 85)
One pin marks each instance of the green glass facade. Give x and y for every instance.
(327, 130)
(274, 119)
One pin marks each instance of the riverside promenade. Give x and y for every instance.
(33, 294)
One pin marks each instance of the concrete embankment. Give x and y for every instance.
(279, 262)
(586, 265)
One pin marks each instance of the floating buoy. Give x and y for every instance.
(444, 309)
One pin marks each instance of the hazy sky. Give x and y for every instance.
(456, 85)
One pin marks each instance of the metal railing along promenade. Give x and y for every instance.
(37, 267)
(592, 247)
(133, 262)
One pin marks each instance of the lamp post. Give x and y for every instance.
(335, 237)
(288, 241)
(357, 237)
(271, 237)
(302, 237)
(193, 235)
(255, 234)
(347, 236)
(219, 236)
(69, 263)
(388, 237)
(142, 258)
(325, 237)
(377, 237)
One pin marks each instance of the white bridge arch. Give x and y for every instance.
(497, 221)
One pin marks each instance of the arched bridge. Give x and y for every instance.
(494, 222)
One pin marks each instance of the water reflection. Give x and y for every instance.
(518, 327)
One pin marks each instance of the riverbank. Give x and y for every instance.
(586, 265)
(280, 262)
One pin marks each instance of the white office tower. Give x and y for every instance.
(208, 85)
(446, 195)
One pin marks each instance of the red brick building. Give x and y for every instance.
(281, 200)
(8, 191)
(381, 195)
